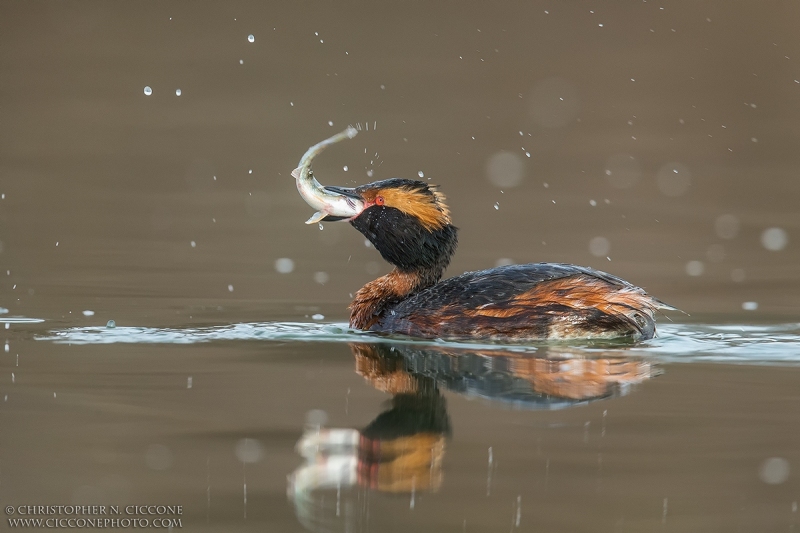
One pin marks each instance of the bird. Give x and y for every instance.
(409, 224)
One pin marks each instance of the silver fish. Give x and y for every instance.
(330, 203)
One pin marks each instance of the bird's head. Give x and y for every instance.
(407, 221)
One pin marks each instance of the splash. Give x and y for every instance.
(745, 344)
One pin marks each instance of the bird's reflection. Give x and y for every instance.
(402, 450)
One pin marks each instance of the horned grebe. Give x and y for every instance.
(408, 222)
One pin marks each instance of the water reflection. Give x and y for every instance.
(402, 451)
(551, 378)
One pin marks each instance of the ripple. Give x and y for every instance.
(779, 343)
(278, 331)
(750, 344)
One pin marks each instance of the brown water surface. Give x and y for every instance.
(656, 141)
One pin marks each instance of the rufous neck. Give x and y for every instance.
(377, 296)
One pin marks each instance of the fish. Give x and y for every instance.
(331, 203)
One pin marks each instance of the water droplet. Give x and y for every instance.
(111, 324)
(774, 239)
(189, 382)
(284, 265)
(88, 312)
(695, 268)
(673, 179)
(421, 174)
(505, 169)
(230, 288)
(241, 61)
(774, 470)
(330, 123)
(497, 205)
(316, 418)
(317, 316)
(251, 38)
(248, 450)
(147, 90)
(726, 226)
(599, 246)
(177, 92)
(554, 103)
(321, 277)
(622, 171)
(592, 203)
(345, 168)
(749, 306)
(372, 268)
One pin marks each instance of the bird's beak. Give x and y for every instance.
(346, 192)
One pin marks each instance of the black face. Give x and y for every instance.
(404, 242)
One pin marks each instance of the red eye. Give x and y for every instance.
(379, 200)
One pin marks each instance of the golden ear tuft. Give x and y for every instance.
(426, 205)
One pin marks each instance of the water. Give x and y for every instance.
(700, 343)
(274, 424)
(216, 371)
